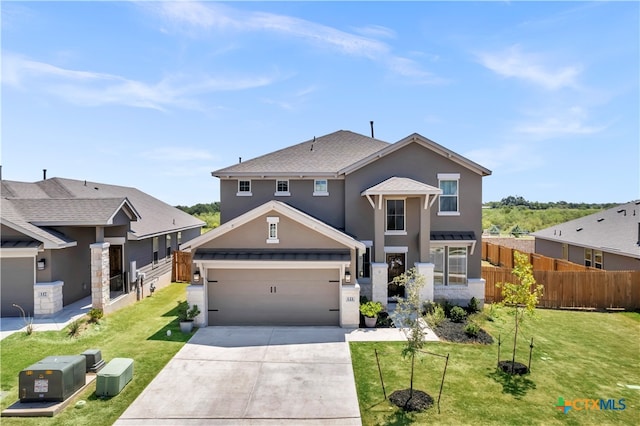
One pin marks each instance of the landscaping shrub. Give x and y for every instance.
(447, 306)
(473, 307)
(74, 328)
(95, 314)
(436, 317)
(457, 314)
(428, 307)
(472, 329)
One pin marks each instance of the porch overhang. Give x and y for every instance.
(399, 186)
(455, 238)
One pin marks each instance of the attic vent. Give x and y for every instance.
(579, 229)
(601, 219)
(623, 211)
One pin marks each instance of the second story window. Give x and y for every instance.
(282, 188)
(395, 216)
(449, 199)
(244, 188)
(320, 187)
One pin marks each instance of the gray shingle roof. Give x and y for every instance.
(324, 156)
(69, 200)
(615, 230)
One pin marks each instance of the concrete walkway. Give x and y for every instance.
(57, 321)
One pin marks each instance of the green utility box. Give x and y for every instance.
(55, 378)
(114, 376)
(94, 360)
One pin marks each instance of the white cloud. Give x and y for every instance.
(94, 88)
(530, 67)
(560, 123)
(190, 16)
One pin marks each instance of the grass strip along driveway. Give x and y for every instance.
(576, 356)
(138, 332)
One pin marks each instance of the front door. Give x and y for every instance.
(395, 267)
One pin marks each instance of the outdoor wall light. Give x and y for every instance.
(196, 276)
(347, 277)
(41, 264)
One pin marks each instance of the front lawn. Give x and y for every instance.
(138, 332)
(576, 355)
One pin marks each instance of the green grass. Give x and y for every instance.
(575, 355)
(138, 332)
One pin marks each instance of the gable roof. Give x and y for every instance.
(401, 186)
(283, 209)
(335, 154)
(323, 156)
(615, 230)
(58, 201)
(427, 143)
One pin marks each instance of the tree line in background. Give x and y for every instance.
(209, 213)
(518, 201)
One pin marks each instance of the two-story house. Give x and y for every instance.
(308, 229)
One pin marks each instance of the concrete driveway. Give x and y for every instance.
(253, 376)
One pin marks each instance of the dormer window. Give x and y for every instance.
(282, 188)
(244, 188)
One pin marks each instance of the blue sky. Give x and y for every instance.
(157, 95)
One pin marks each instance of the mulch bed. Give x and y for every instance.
(419, 402)
(518, 368)
(454, 332)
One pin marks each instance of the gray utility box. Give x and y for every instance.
(54, 378)
(114, 376)
(94, 360)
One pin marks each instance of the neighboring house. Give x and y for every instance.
(306, 230)
(605, 240)
(63, 240)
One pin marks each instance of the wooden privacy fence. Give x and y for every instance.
(574, 289)
(181, 267)
(503, 256)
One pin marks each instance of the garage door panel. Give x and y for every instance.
(273, 297)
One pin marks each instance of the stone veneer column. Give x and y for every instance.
(100, 275)
(426, 269)
(350, 305)
(47, 298)
(379, 277)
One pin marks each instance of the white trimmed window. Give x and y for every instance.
(565, 251)
(450, 265)
(588, 257)
(365, 272)
(320, 187)
(272, 230)
(395, 217)
(282, 188)
(168, 247)
(244, 188)
(449, 183)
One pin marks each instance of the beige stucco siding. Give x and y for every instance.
(291, 235)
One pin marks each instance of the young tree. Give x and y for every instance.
(522, 295)
(409, 312)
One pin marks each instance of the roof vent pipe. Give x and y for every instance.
(44, 174)
(371, 123)
(239, 159)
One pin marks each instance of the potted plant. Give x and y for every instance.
(186, 316)
(370, 310)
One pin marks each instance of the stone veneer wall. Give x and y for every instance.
(100, 275)
(47, 298)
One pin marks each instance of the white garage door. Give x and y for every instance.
(273, 297)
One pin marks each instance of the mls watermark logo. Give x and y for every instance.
(587, 404)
